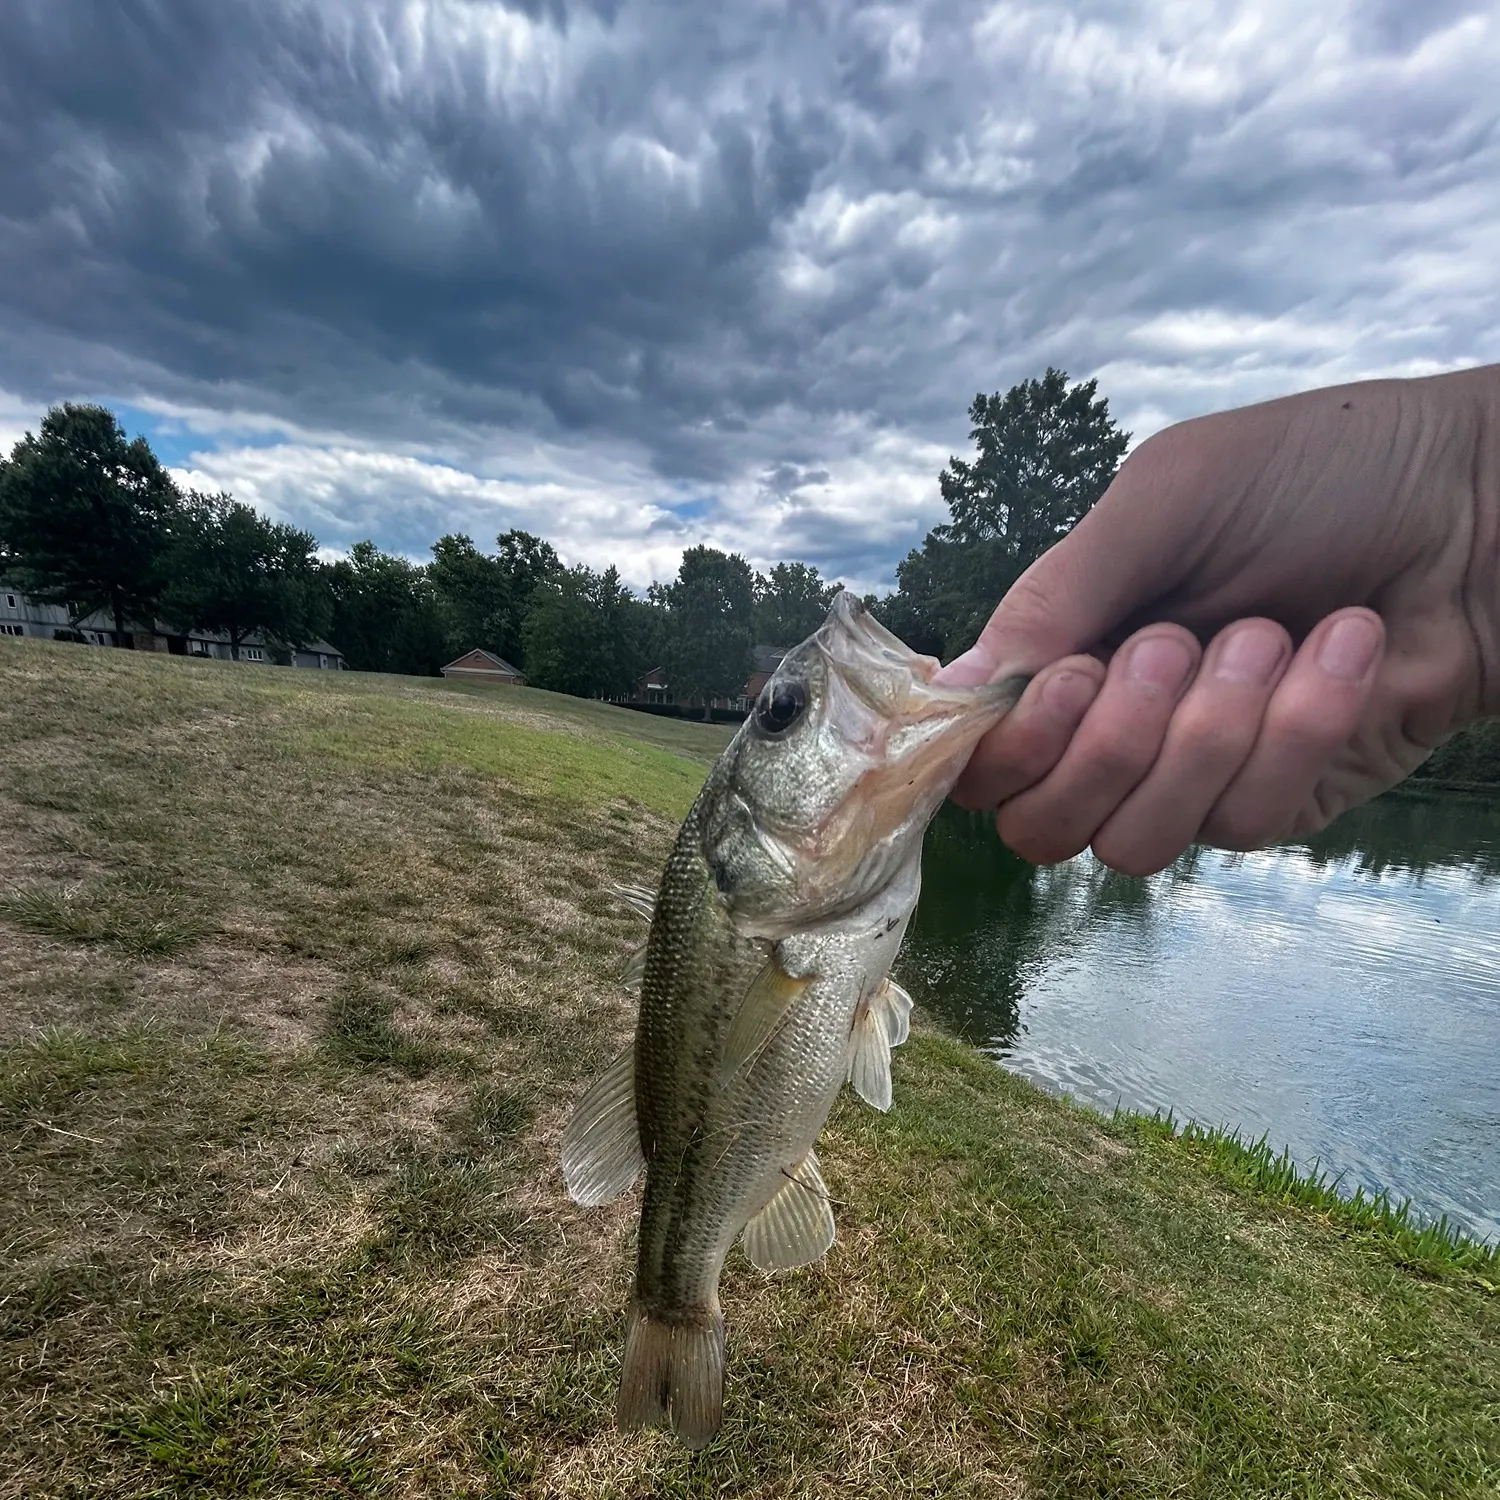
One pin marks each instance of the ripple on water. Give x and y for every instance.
(1341, 996)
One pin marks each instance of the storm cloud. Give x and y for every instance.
(638, 275)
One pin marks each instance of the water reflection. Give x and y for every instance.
(1342, 994)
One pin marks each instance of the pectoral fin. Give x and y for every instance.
(601, 1146)
(881, 1022)
(796, 1227)
(767, 1002)
(641, 901)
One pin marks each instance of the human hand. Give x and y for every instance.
(1272, 615)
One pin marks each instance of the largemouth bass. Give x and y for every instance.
(764, 986)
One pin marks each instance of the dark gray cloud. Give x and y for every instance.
(658, 272)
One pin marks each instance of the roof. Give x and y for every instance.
(768, 658)
(496, 663)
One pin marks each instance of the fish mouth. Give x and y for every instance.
(913, 729)
(860, 779)
(911, 736)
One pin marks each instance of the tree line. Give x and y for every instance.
(91, 518)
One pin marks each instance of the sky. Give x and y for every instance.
(636, 276)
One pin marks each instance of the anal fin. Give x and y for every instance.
(796, 1227)
(601, 1145)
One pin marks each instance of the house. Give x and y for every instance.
(22, 615)
(483, 666)
(767, 659)
(652, 687)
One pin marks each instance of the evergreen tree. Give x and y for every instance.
(86, 517)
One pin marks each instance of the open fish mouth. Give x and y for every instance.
(850, 750)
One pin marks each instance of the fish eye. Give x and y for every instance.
(779, 706)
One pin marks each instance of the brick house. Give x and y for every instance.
(484, 666)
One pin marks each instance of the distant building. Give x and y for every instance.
(653, 689)
(22, 615)
(767, 659)
(484, 666)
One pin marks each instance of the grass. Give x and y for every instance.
(302, 975)
(1437, 1246)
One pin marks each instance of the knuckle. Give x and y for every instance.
(1213, 738)
(1116, 763)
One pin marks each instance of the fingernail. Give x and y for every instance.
(968, 670)
(1349, 648)
(1067, 696)
(1160, 661)
(1250, 656)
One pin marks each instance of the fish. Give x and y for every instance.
(764, 987)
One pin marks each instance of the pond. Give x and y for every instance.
(1340, 995)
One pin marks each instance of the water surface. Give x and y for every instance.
(1341, 995)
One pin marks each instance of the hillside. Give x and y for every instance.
(302, 973)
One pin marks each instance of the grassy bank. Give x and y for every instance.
(301, 975)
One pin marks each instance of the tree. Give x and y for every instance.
(526, 562)
(385, 616)
(1047, 451)
(235, 570)
(85, 516)
(790, 603)
(473, 596)
(564, 649)
(587, 634)
(709, 636)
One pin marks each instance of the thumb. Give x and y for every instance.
(1107, 570)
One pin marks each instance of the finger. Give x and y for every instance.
(1115, 746)
(1310, 718)
(1211, 736)
(1032, 737)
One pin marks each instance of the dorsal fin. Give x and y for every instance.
(634, 972)
(601, 1144)
(641, 901)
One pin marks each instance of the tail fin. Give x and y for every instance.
(673, 1374)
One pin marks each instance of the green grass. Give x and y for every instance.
(1438, 1247)
(302, 975)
